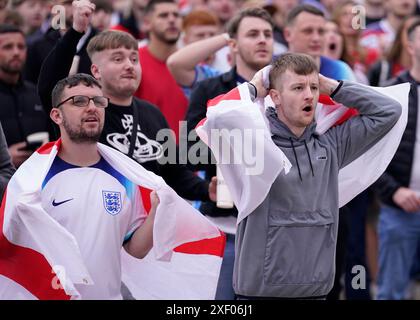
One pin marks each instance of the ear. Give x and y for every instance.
(233, 45)
(95, 71)
(410, 48)
(275, 96)
(147, 21)
(56, 116)
(287, 34)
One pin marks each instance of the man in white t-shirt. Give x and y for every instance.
(100, 207)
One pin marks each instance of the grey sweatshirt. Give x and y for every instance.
(286, 247)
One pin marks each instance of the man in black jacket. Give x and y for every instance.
(399, 190)
(21, 113)
(251, 33)
(38, 50)
(6, 166)
(131, 125)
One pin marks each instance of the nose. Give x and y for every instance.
(16, 50)
(308, 94)
(91, 106)
(262, 38)
(172, 17)
(128, 65)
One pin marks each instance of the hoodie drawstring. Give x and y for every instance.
(309, 157)
(297, 161)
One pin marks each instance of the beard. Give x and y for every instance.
(162, 37)
(12, 69)
(253, 64)
(82, 135)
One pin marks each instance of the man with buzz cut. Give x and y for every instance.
(286, 247)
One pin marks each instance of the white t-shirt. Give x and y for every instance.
(102, 209)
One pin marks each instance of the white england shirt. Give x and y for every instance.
(102, 209)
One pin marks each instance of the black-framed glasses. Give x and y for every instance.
(83, 101)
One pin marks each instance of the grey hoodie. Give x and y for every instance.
(286, 247)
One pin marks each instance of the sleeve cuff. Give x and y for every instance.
(336, 89)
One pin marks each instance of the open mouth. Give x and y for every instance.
(307, 109)
(91, 120)
(332, 46)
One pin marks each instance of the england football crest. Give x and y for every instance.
(112, 202)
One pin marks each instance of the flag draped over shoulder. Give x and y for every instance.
(236, 131)
(40, 259)
(249, 182)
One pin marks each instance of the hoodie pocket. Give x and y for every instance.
(300, 248)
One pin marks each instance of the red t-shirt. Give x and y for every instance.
(158, 87)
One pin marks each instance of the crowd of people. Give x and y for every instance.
(126, 72)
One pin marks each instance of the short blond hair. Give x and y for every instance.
(299, 63)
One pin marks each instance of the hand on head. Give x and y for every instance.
(261, 81)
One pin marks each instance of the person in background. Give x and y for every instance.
(6, 167)
(33, 13)
(381, 35)
(158, 86)
(101, 18)
(40, 49)
(21, 112)
(305, 33)
(399, 191)
(359, 58)
(190, 64)
(396, 60)
(251, 43)
(133, 23)
(375, 11)
(333, 47)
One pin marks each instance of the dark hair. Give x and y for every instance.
(299, 63)
(111, 39)
(72, 81)
(291, 17)
(233, 24)
(9, 28)
(104, 5)
(17, 3)
(411, 28)
(396, 51)
(152, 4)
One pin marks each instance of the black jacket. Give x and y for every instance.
(204, 91)
(6, 166)
(380, 73)
(21, 112)
(119, 123)
(398, 173)
(40, 49)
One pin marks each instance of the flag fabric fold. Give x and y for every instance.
(35, 249)
(236, 132)
(236, 112)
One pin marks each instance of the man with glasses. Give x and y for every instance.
(79, 111)
(132, 125)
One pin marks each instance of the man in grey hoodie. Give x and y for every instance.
(286, 247)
